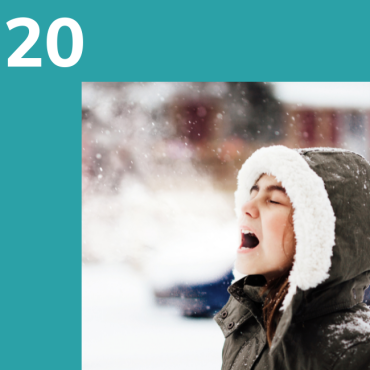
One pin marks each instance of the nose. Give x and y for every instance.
(250, 209)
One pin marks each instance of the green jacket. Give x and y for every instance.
(324, 324)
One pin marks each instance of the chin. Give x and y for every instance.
(243, 268)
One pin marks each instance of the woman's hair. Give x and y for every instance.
(276, 291)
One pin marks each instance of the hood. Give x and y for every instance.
(330, 192)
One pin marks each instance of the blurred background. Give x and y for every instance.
(159, 232)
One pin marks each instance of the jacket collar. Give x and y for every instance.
(249, 304)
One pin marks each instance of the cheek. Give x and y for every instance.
(275, 226)
(279, 239)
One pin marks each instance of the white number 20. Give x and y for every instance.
(17, 60)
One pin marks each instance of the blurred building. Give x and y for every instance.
(213, 126)
(327, 114)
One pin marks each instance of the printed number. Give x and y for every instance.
(77, 42)
(16, 60)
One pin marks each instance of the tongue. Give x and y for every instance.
(249, 241)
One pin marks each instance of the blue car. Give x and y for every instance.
(204, 300)
(199, 300)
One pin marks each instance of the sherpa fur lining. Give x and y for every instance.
(313, 217)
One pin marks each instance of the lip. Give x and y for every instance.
(245, 251)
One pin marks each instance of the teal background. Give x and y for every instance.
(40, 151)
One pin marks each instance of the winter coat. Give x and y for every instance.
(324, 324)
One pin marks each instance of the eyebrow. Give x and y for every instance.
(269, 188)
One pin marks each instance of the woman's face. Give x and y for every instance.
(270, 250)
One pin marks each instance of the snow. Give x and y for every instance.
(149, 95)
(122, 328)
(358, 324)
(184, 234)
(325, 94)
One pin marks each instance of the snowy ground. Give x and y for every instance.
(122, 328)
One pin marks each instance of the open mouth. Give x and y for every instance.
(249, 240)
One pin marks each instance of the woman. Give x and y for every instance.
(303, 262)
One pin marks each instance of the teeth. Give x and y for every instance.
(247, 232)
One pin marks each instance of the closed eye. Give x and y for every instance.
(271, 201)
